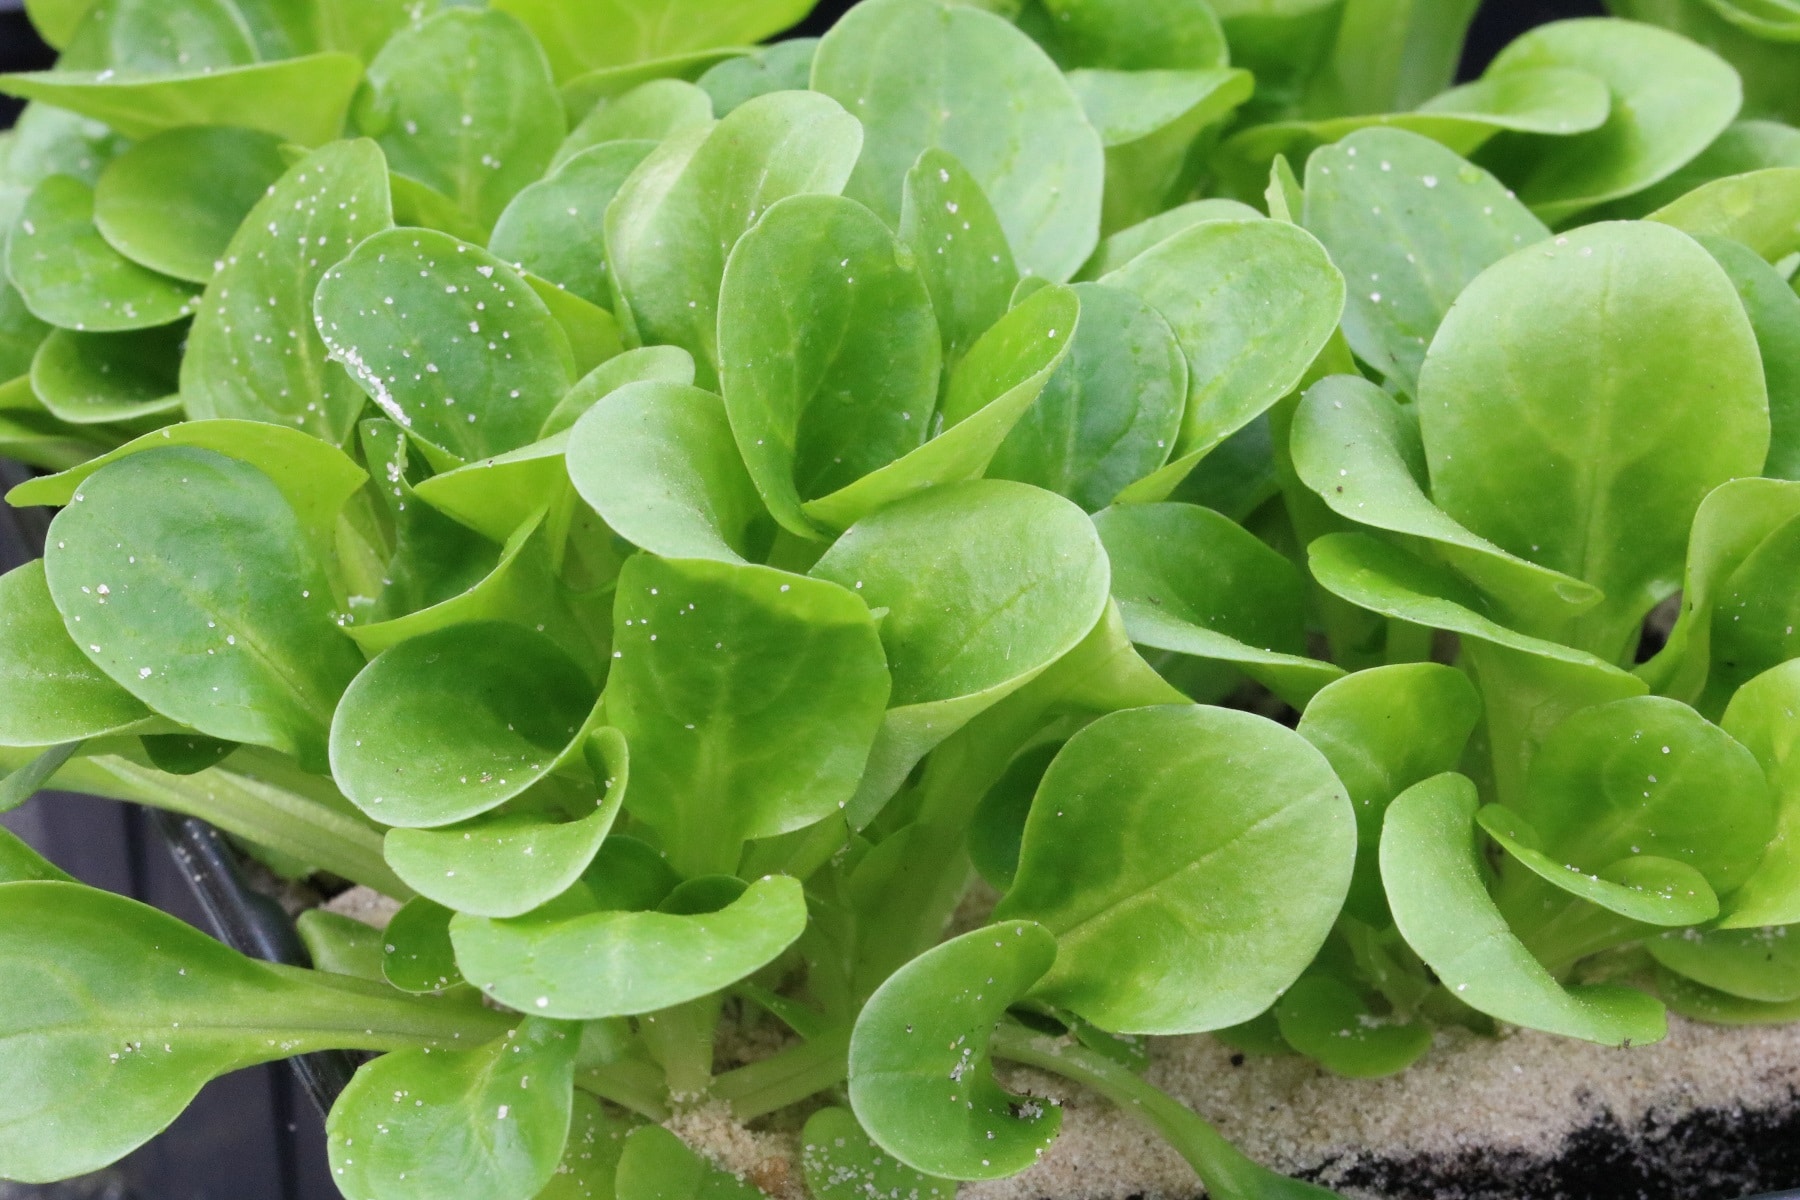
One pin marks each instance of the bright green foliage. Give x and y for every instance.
(669, 508)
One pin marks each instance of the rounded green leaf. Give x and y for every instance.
(1432, 866)
(1120, 248)
(455, 723)
(971, 83)
(650, 112)
(1756, 964)
(658, 463)
(1410, 224)
(69, 275)
(783, 66)
(1670, 99)
(1189, 581)
(921, 1078)
(506, 864)
(94, 378)
(840, 1162)
(1189, 860)
(50, 692)
(555, 228)
(1698, 1003)
(173, 202)
(1329, 1022)
(257, 360)
(829, 353)
(1649, 775)
(657, 1165)
(750, 698)
(117, 1014)
(959, 248)
(1111, 413)
(463, 103)
(490, 1121)
(674, 222)
(1579, 402)
(1762, 718)
(416, 955)
(1641, 887)
(612, 963)
(188, 578)
(1756, 209)
(667, 364)
(1745, 146)
(1252, 303)
(447, 340)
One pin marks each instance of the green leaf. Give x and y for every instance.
(1120, 248)
(1111, 412)
(1756, 964)
(1756, 209)
(959, 249)
(1410, 224)
(341, 945)
(662, 364)
(581, 94)
(1698, 1003)
(506, 864)
(69, 276)
(1754, 615)
(1745, 146)
(491, 1120)
(921, 1079)
(1189, 889)
(300, 100)
(19, 863)
(1641, 887)
(1383, 730)
(49, 690)
(1190, 581)
(993, 386)
(1582, 430)
(674, 222)
(1774, 312)
(95, 378)
(1391, 54)
(500, 496)
(57, 20)
(20, 333)
(750, 698)
(1252, 303)
(657, 461)
(1356, 447)
(119, 1014)
(974, 85)
(464, 103)
(555, 228)
(569, 960)
(416, 952)
(188, 578)
(650, 112)
(19, 785)
(252, 359)
(582, 36)
(657, 1165)
(1124, 35)
(483, 389)
(591, 1155)
(455, 723)
(784, 66)
(1432, 866)
(1761, 718)
(1670, 99)
(173, 202)
(1326, 1020)
(840, 1162)
(986, 584)
(829, 353)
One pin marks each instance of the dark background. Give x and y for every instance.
(254, 1135)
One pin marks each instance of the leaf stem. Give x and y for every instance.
(788, 1077)
(632, 1084)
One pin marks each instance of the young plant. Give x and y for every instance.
(673, 512)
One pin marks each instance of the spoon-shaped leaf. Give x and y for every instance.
(118, 1014)
(1761, 717)
(188, 578)
(675, 220)
(69, 275)
(972, 84)
(1432, 866)
(249, 358)
(840, 1162)
(829, 353)
(1252, 303)
(921, 1079)
(1410, 223)
(555, 228)
(569, 960)
(449, 341)
(1643, 887)
(50, 692)
(173, 202)
(959, 249)
(1698, 1003)
(1188, 580)
(658, 463)
(506, 864)
(750, 698)
(455, 723)
(95, 378)
(657, 1165)
(986, 584)
(488, 1121)
(463, 103)
(1111, 413)
(1188, 889)
(1756, 964)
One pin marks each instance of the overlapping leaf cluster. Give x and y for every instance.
(672, 511)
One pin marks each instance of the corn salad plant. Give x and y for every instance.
(1320, 543)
